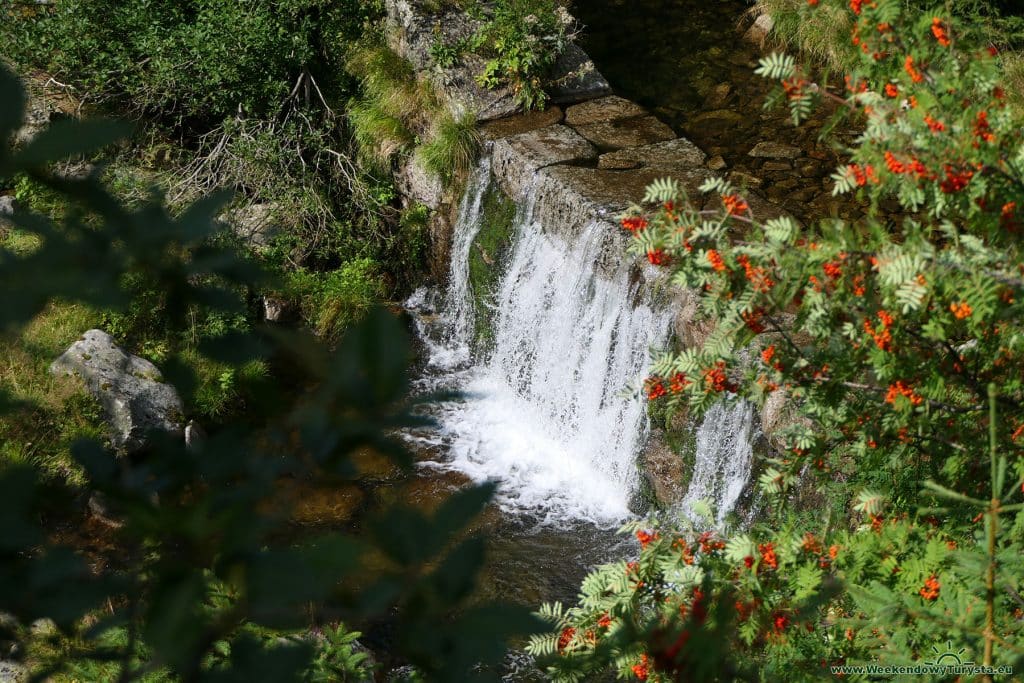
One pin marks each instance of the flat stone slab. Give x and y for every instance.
(615, 191)
(551, 145)
(775, 150)
(131, 390)
(515, 159)
(632, 132)
(602, 110)
(521, 123)
(675, 153)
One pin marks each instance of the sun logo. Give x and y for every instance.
(949, 657)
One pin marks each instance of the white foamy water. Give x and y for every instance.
(724, 458)
(546, 415)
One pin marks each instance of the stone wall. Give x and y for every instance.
(584, 160)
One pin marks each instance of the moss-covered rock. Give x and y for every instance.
(487, 259)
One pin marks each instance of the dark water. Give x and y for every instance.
(686, 61)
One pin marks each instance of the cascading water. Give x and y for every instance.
(545, 412)
(724, 457)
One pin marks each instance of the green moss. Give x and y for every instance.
(487, 257)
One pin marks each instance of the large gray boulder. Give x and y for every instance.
(131, 390)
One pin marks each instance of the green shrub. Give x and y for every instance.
(205, 59)
(329, 302)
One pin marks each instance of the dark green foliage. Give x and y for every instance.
(203, 563)
(201, 59)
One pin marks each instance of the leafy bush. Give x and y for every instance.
(523, 39)
(898, 347)
(177, 60)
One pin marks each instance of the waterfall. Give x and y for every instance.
(724, 457)
(546, 413)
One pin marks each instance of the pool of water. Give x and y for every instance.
(687, 62)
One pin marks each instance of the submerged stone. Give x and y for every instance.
(775, 150)
(515, 159)
(678, 153)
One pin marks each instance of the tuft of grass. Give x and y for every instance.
(452, 149)
(824, 37)
(1013, 73)
(388, 81)
(379, 135)
(397, 110)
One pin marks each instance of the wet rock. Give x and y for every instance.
(416, 182)
(741, 179)
(812, 169)
(603, 110)
(611, 192)
(775, 150)
(130, 389)
(771, 166)
(633, 132)
(275, 308)
(515, 159)
(758, 32)
(719, 118)
(255, 224)
(716, 163)
(664, 470)
(521, 123)
(574, 78)
(315, 505)
(613, 163)
(678, 154)
(195, 436)
(7, 206)
(804, 195)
